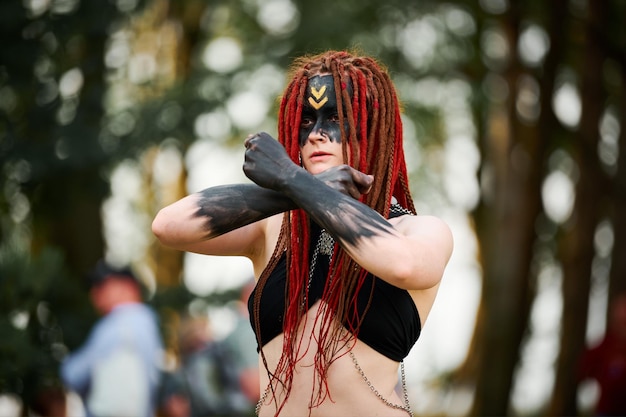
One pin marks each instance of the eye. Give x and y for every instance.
(334, 118)
(306, 122)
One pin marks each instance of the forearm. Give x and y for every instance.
(229, 207)
(216, 211)
(345, 218)
(382, 248)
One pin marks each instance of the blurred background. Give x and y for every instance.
(514, 117)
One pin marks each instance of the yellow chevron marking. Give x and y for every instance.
(318, 93)
(318, 101)
(317, 105)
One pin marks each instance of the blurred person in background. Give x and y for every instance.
(116, 372)
(206, 382)
(606, 363)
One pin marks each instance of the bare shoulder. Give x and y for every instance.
(430, 227)
(433, 238)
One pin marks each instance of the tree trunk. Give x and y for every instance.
(617, 283)
(577, 250)
(507, 229)
(506, 244)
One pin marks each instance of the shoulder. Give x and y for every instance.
(427, 232)
(423, 225)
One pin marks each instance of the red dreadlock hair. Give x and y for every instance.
(374, 141)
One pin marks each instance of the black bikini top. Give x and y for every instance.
(391, 325)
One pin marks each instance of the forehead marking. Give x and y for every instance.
(318, 99)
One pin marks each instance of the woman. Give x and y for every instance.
(346, 271)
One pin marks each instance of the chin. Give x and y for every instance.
(318, 168)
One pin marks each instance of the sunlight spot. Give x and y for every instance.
(20, 319)
(210, 164)
(608, 146)
(603, 239)
(567, 105)
(168, 166)
(205, 274)
(61, 149)
(459, 21)
(494, 6)
(71, 82)
(214, 125)
(141, 68)
(494, 46)
(10, 405)
(527, 100)
(535, 376)
(64, 6)
(118, 52)
(36, 7)
(122, 123)
(587, 396)
(126, 6)
(533, 45)
(419, 54)
(222, 55)
(247, 109)
(558, 196)
(462, 161)
(278, 17)
(267, 80)
(19, 207)
(126, 226)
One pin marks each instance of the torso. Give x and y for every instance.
(350, 393)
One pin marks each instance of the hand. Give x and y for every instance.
(347, 180)
(266, 162)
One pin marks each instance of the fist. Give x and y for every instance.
(266, 162)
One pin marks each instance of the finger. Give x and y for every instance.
(248, 140)
(354, 191)
(366, 186)
(363, 181)
(369, 184)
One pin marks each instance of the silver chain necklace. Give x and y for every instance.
(406, 407)
(325, 244)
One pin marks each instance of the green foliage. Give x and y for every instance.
(41, 309)
(57, 148)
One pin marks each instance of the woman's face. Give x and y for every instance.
(320, 133)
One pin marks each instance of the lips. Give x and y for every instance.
(319, 156)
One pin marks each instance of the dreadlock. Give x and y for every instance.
(372, 144)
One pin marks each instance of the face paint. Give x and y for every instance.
(319, 113)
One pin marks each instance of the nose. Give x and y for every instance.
(317, 134)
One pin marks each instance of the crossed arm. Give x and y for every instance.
(410, 252)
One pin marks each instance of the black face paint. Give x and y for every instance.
(228, 207)
(319, 112)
